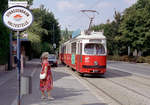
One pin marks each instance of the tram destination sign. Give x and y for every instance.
(17, 18)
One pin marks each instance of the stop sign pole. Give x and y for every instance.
(18, 18)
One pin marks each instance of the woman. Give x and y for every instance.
(47, 83)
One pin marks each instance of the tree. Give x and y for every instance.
(52, 26)
(65, 35)
(3, 5)
(111, 31)
(130, 29)
(4, 43)
(4, 35)
(44, 31)
(135, 26)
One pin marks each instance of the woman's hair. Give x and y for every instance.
(44, 55)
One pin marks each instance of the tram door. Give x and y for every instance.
(79, 58)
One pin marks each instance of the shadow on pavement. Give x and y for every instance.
(110, 73)
(117, 62)
(58, 75)
(96, 104)
(61, 93)
(57, 93)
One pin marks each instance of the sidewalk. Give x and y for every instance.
(9, 83)
(67, 90)
(8, 87)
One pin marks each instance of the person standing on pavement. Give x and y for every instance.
(46, 84)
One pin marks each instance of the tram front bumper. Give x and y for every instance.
(94, 69)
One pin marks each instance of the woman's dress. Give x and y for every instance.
(47, 83)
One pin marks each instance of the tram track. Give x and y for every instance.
(134, 80)
(108, 95)
(112, 100)
(104, 92)
(129, 79)
(132, 90)
(120, 85)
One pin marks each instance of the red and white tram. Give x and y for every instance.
(86, 53)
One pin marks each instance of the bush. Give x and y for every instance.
(147, 59)
(4, 43)
(140, 59)
(124, 58)
(116, 57)
(109, 57)
(127, 58)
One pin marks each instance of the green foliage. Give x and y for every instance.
(126, 58)
(65, 35)
(50, 23)
(135, 26)
(4, 35)
(112, 34)
(3, 6)
(130, 29)
(147, 59)
(4, 43)
(47, 47)
(140, 60)
(44, 31)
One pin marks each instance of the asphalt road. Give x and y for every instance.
(133, 68)
(123, 84)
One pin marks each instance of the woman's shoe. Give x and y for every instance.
(50, 98)
(43, 97)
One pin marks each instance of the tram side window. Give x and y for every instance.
(64, 51)
(73, 48)
(92, 48)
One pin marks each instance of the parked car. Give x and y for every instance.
(52, 59)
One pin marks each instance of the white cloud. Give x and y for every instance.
(130, 2)
(66, 5)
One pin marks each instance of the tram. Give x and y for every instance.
(85, 52)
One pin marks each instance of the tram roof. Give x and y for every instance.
(92, 35)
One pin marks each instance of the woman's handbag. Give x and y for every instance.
(43, 74)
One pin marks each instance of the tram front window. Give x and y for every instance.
(93, 49)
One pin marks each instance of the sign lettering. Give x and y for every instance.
(17, 18)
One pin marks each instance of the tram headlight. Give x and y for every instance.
(87, 59)
(95, 62)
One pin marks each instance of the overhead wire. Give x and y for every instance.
(79, 20)
(95, 6)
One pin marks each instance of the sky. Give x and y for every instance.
(68, 13)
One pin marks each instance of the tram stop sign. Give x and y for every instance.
(17, 18)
